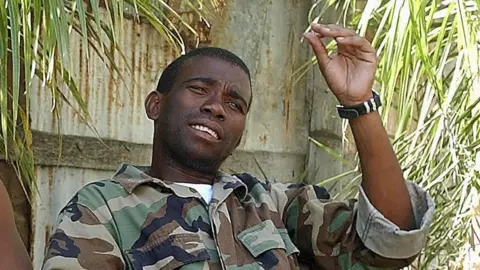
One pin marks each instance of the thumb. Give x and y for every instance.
(318, 48)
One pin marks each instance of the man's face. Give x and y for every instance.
(202, 119)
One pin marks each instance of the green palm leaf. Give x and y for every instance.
(428, 75)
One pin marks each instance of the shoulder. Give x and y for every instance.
(252, 182)
(256, 185)
(97, 194)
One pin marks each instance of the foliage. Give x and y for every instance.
(428, 76)
(35, 41)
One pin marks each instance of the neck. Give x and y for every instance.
(168, 169)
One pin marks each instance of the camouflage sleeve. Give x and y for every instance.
(81, 241)
(344, 234)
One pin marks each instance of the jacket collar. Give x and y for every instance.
(130, 177)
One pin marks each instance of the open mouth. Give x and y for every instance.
(207, 130)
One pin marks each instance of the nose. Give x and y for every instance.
(215, 108)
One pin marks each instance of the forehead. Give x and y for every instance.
(220, 70)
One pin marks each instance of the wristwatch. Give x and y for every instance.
(354, 111)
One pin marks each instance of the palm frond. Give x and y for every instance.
(429, 79)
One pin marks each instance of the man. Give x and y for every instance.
(182, 213)
(13, 254)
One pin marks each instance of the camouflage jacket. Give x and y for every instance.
(134, 221)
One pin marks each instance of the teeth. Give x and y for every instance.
(207, 130)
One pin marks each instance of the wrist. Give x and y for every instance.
(362, 119)
(355, 109)
(353, 101)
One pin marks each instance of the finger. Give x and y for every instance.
(318, 48)
(332, 30)
(357, 41)
(316, 34)
(342, 30)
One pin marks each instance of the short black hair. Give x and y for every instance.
(168, 77)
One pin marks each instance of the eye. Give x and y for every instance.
(198, 89)
(233, 105)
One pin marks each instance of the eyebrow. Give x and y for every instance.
(235, 94)
(209, 81)
(205, 80)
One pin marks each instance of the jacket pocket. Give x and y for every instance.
(169, 252)
(264, 236)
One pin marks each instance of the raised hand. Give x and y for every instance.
(350, 73)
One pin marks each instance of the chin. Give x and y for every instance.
(199, 158)
(208, 160)
(203, 165)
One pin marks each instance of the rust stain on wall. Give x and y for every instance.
(263, 139)
(287, 93)
(193, 40)
(269, 58)
(85, 84)
(47, 232)
(51, 177)
(110, 99)
(286, 107)
(201, 27)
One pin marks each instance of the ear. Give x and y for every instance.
(153, 103)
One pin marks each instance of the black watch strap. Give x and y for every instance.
(352, 112)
